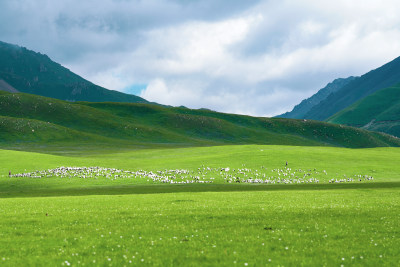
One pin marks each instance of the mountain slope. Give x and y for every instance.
(34, 120)
(356, 89)
(377, 112)
(367, 84)
(300, 110)
(29, 72)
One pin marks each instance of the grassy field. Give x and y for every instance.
(286, 228)
(58, 221)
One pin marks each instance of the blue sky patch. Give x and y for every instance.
(135, 89)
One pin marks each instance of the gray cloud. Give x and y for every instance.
(252, 57)
(70, 29)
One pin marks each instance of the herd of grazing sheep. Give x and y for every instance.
(200, 175)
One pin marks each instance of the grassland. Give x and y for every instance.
(58, 221)
(316, 227)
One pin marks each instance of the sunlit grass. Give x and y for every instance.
(59, 221)
(282, 228)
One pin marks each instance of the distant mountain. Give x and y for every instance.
(377, 112)
(383, 77)
(26, 71)
(30, 120)
(300, 110)
(342, 93)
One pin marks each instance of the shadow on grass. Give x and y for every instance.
(21, 192)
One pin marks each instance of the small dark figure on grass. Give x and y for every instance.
(286, 163)
(9, 173)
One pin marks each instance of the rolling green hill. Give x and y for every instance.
(357, 89)
(30, 120)
(377, 112)
(22, 70)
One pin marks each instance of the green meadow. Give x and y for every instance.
(68, 221)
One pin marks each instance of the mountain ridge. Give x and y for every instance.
(356, 89)
(300, 110)
(367, 84)
(35, 73)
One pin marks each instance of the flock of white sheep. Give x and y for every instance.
(200, 175)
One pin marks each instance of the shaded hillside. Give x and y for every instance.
(29, 119)
(300, 110)
(360, 87)
(29, 72)
(377, 112)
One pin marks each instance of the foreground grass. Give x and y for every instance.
(335, 227)
(54, 221)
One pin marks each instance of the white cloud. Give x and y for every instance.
(193, 47)
(175, 93)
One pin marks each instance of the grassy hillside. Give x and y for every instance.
(29, 72)
(369, 83)
(30, 120)
(378, 112)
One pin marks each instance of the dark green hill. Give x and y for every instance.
(377, 112)
(34, 73)
(360, 87)
(30, 120)
(300, 110)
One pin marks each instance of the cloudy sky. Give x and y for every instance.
(257, 57)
